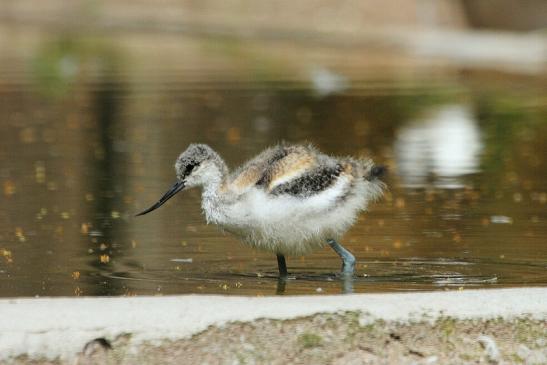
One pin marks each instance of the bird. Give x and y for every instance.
(290, 199)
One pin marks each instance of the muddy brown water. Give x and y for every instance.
(466, 206)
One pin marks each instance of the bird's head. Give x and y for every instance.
(198, 165)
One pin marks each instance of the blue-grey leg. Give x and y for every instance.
(282, 265)
(348, 260)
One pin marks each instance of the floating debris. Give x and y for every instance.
(52, 186)
(7, 255)
(76, 275)
(84, 229)
(96, 233)
(501, 219)
(41, 214)
(19, 234)
(188, 261)
(104, 259)
(27, 135)
(9, 188)
(433, 234)
(517, 197)
(191, 228)
(233, 135)
(451, 217)
(40, 172)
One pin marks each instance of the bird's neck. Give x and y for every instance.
(211, 196)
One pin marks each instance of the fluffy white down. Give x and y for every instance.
(291, 225)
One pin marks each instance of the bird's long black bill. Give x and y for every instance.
(179, 185)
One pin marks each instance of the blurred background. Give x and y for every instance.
(97, 99)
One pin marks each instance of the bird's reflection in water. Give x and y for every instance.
(346, 284)
(281, 285)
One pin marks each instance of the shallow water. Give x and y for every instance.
(466, 205)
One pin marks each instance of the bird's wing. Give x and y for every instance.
(274, 166)
(311, 182)
(304, 172)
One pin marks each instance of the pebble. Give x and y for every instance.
(491, 348)
(531, 357)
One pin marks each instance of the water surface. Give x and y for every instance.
(466, 206)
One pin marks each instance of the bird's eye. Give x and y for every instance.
(189, 168)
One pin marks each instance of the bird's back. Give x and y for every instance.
(272, 166)
(297, 170)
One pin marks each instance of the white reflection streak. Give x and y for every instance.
(444, 145)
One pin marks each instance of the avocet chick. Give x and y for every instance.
(290, 199)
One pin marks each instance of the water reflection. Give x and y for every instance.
(439, 149)
(107, 187)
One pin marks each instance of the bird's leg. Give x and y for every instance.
(348, 260)
(282, 266)
(281, 284)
